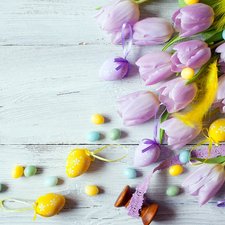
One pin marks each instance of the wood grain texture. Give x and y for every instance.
(51, 52)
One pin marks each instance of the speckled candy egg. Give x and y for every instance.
(77, 162)
(147, 158)
(217, 130)
(109, 72)
(50, 204)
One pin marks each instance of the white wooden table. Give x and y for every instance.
(51, 52)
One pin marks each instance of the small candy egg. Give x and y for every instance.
(77, 162)
(190, 2)
(30, 171)
(172, 191)
(97, 119)
(184, 156)
(175, 170)
(51, 181)
(187, 73)
(130, 173)
(49, 205)
(109, 72)
(17, 172)
(223, 35)
(217, 130)
(91, 190)
(0, 187)
(114, 134)
(92, 136)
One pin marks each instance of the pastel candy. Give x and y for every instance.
(172, 191)
(130, 173)
(114, 134)
(109, 72)
(17, 171)
(30, 171)
(184, 156)
(51, 181)
(91, 190)
(92, 136)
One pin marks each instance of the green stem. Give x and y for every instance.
(202, 70)
(140, 1)
(173, 40)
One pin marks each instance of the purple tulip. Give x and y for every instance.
(155, 67)
(112, 16)
(219, 100)
(205, 182)
(178, 134)
(137, 107)
(192, 54)
(152, 31)
(193, 19)
(221, 50)
(176, 94)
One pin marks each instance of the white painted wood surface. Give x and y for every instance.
(51, 52)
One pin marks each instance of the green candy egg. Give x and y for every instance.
(172, 191)
(114, 134)
(0, 187)
(30, 171)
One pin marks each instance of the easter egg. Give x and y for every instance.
(30, 171)
(0, 187)
(51, 181)
(130, 173)
(109, 72)
(184, 156)
(91, 190)
(172, 191)
(190, 2)
(97, 119)
(175, 170)
(142, 159)
(50, 204)
(77, 162)
(223, 35)
(187, 73)
(114, 134)
(17, 172)
(92, 136)
(217, 130)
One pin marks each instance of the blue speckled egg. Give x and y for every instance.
(130, 173)
(51, 181)
(184, 156)
(92, 136)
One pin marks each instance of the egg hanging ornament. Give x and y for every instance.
(217, 130)
(79, 160)
(116, 68)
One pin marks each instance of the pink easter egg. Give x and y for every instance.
(142, 159)
(109, 72)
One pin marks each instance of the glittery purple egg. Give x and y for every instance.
(109, 72)
(148, 157)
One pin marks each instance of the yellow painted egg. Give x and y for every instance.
(50, 204)
(77, 162)
(175, 170)
(217, 130)
(17, 172)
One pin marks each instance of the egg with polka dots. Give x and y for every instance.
(77, 162)
(49, 204)
(109, 72)
(217, 130)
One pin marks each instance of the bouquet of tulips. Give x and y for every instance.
(199, 66)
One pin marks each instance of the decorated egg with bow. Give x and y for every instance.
(217, 130)
(77, 162)
(114, 68)
(49, 205)
(146, 153)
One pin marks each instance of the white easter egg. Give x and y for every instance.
(109, 72)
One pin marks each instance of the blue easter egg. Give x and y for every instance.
(130, 173)
(223, 34)
(51, 181)
(184, 156)
(92, 136)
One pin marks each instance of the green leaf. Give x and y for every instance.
(217, 36)
(182, 3)
(219, 159)
(98, 8)
(173, 40)
(209, 33)
(161, 131)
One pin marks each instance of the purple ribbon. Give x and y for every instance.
(221, 203)
(153, 142)
(125, 51)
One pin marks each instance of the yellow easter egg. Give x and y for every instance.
(50, 204)
(17, 172)
(175, 170)
(217, 130)
(77, 162)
